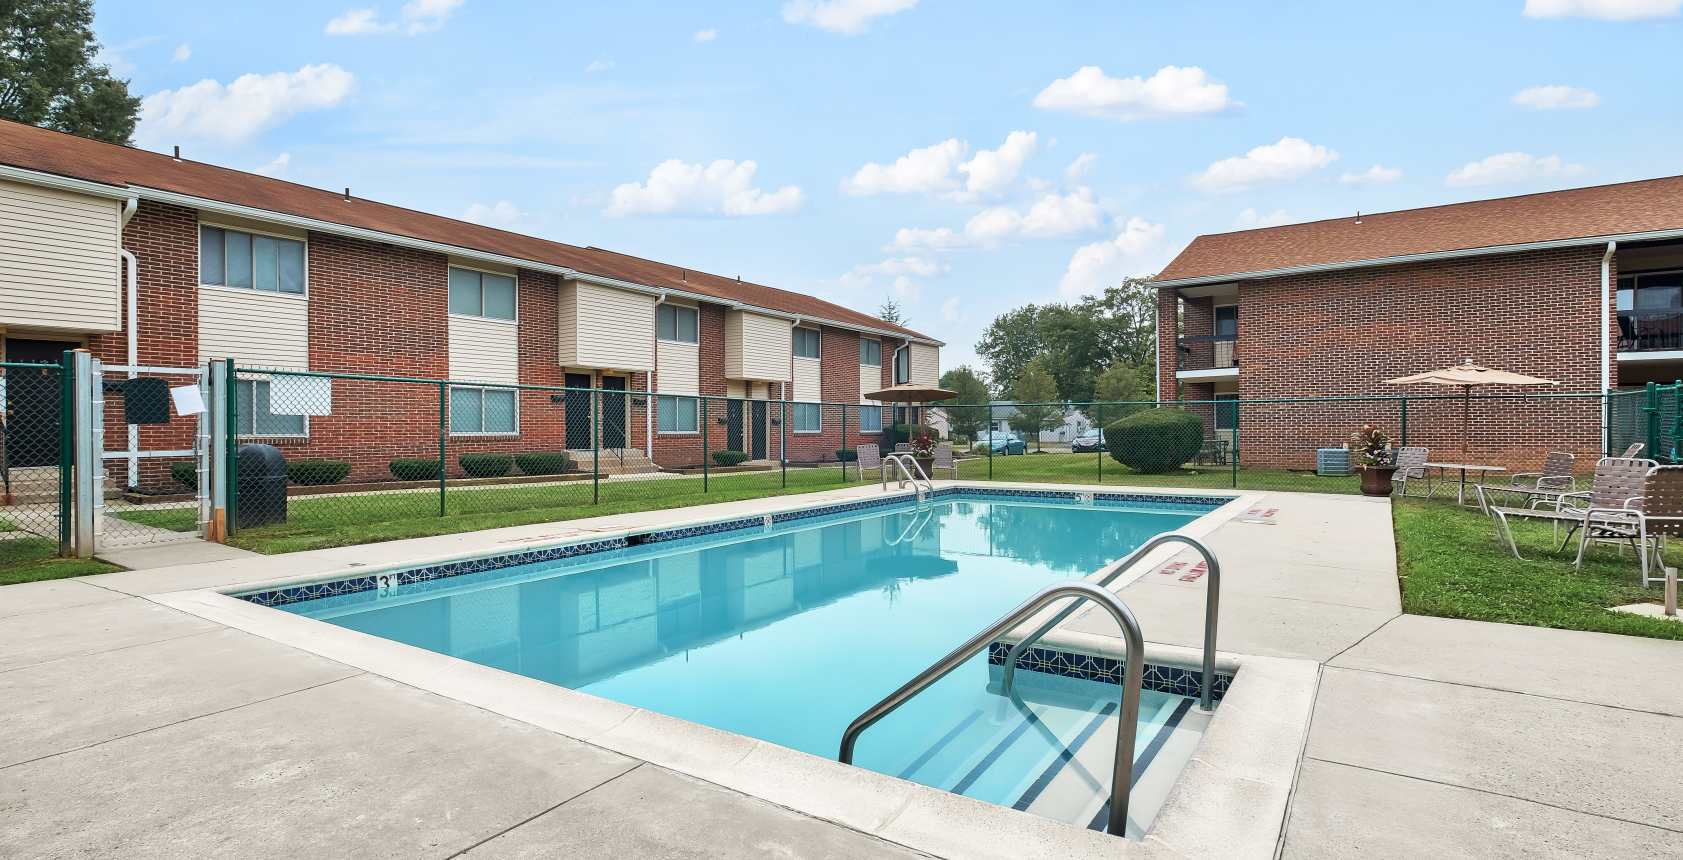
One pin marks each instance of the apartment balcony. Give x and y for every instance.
(1208, 358)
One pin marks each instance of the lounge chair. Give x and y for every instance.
(1411, 467)
(1541, 487)
(1634, 449)
(1618, 482)
(869, 457)
(944, 460)
(1662, 516)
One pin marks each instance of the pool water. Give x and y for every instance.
(787, 633)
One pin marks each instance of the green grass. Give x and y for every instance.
(328, 521)
(1085, 469)
(34, 559)
(1451, 566)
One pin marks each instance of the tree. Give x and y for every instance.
(963, 418)
(1121, 383)
(1071, 341)
(1080, 341)
(1010, 342)
(1128, 311)
(48, 73)
(890, 312)
(1036, 395)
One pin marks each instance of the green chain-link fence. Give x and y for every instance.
(34, 461)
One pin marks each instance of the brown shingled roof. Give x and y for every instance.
(53, 152)
(1578, 213)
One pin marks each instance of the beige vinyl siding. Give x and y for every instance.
(736, 388)
(679, 370)
(757, 346)
(483, 350)
(926, 364)
(870, 379)
(808, 379)
(58, 260)
(606, 328)
(255, 328)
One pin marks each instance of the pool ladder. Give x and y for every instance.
(906, 469)
(1121, 778)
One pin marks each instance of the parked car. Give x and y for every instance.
(1001, 443)
(1089, 441)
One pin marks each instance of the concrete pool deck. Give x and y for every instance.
(138, 729)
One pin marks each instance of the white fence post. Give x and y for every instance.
(89, 444)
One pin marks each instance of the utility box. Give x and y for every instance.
(261, 485)
(1332, 461)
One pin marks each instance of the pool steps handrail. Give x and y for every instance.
(1121, 777)
(912, 472)
(919, 520)
(1212, 602)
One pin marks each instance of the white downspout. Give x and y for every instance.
(1606, 327)
(649, 406)
(131, 323)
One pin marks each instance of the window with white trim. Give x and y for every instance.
(903, 365)
(250, 261)
(676, 414)
(870, 419)
(677, 323)
(253, 418)
(870, 352)
(481, 294)
(478, 411)
(806, 343)
(805, 417)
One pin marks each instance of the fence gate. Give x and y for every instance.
(145, 432)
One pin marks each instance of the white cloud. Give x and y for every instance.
(598, 66)
(847, 17)
(183, 52)
(938, 239)
(276, 165)
(1052, 216)
(1509, 167)
(1078, 168)
(1378, 174)
(501, 214)
(1290, 158)
(1137, 250)
(942, 169)
(1171, 91)
(1606, 10)
(416, 17)
(993, 170)
(950, 309)
(1251, 219)
(922, 267)
(706, 35)
(1556, 97)
(724, 187)
(248, 105)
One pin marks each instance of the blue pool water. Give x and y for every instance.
(787, 633)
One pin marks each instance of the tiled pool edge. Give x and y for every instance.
(1157, 677)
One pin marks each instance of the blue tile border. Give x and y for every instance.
(355, 584)
(1162, 679)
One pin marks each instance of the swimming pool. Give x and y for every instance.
(787, 630)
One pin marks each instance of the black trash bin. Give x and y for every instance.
(261, 485)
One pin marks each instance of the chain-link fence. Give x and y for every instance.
(34, 458)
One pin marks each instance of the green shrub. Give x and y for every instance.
(185, 474)
(900, 433)
(544, 462)
(317, 472)
(486, 465)
(847, 455)
(1155, 440)
(415, 469)
(729, 458)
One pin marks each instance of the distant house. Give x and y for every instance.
(1075, 422)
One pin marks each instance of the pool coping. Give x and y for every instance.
(1226, 798)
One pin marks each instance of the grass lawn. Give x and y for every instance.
(1451, 566)
(1085, 469)
(327, 521)
(32, 559)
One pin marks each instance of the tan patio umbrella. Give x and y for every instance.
(1468, 376)
(909, 393)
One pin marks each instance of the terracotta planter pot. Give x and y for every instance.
(1376, 480)
(927, 464)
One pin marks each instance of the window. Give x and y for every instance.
(255, 419)
(248, 261)
(870, 419)
(482, 410)
(1226, 321)
(870, 352)
(1227, 412)
(806, 417)
(676, 414)
(481, 294)
(677, 323)
(902, 365)
(806, 343)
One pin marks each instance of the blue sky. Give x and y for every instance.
(965, 157)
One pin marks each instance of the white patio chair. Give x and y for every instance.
(869, 457)
(1411, 468)
(944, 460)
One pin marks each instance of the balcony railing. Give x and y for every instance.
(1208, 352)
(1651, 330)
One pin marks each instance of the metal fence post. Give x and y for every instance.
(217, 373)
(89, 426)
(66, 446)
(844, 442)
(990, 441)
(783, 439)
(1402, 432)
(705, 454)
(1098, 418)
(1234, 464)
(443, 434)
(1652, 408)
(595, 446)
(231, 450)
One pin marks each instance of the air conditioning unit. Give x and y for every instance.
(1332, 461)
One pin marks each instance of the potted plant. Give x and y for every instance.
(923, 442)
(1370, 450)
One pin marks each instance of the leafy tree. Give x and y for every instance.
(964, 420)
(48, 73)
(890, 312)
(1036, 394)
(1071, 341)
(1010, 342)
(1124, 382)
(1081, 341)
(1128, 332)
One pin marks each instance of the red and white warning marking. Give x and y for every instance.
(1186, 571)
(1260, 515)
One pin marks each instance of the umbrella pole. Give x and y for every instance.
(1466, 413)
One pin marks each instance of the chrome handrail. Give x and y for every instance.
(1122, 771)
(910, 532)
(1212, 603)
(900, 460)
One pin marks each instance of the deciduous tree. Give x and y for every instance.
(49, 76)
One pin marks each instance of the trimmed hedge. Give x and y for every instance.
(415, 469)
(486, 465)
(544, 462)
(185, 474)
(847, 455)
(729, 458)
(1156, 440)
(317, 473)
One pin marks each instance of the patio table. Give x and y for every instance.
(1461, 491)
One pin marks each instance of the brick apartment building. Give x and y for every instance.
(277, 275)
(1584, 287)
